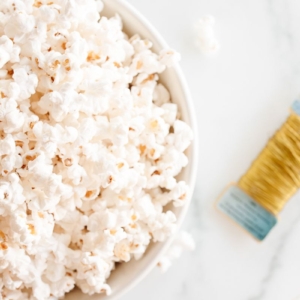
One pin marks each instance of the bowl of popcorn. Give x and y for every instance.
(98, 148)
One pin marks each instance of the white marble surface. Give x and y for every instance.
(241, 97)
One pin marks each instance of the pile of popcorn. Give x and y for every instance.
(90, 147)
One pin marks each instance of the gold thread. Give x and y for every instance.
(274, 176)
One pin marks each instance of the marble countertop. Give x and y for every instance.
(241, 96)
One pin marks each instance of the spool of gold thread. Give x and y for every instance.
(272, 179)
(274, 176)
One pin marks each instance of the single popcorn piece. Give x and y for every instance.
(8, 51)
(169, 57)
(90, 146)
(205, 35)
(183, 242)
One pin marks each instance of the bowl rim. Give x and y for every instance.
(194, 157)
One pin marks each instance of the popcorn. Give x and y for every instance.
(182, 136)
(161, 95)
(162, 226)
(205, 36)
(169, 57)
(182, 242)
(55, 272)
(90, 148)
(8, 51)
(26, 82)
(101, 220)
(18, 25)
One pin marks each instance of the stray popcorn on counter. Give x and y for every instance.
(183, 242)
(90, 147)
(205, 35)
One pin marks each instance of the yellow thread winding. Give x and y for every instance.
(274, 176)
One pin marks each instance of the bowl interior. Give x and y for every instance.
(127, 275)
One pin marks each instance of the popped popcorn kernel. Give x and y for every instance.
(205, 35)
(182, 242)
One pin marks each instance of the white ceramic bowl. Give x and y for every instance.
(129, 274)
